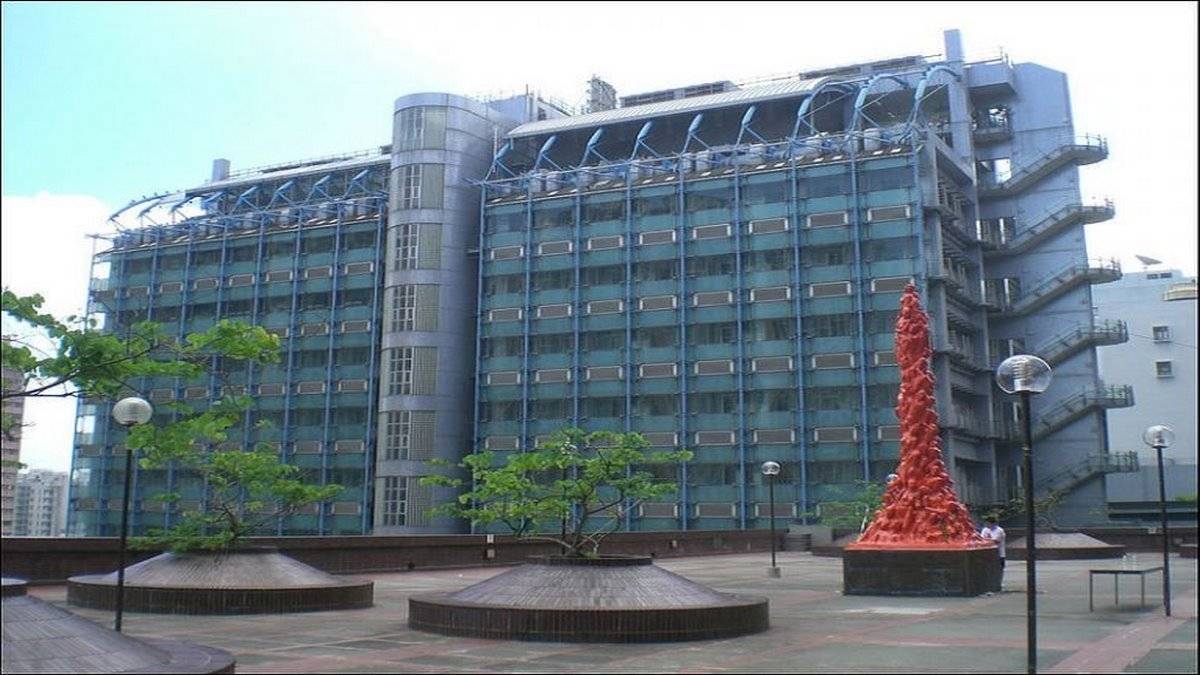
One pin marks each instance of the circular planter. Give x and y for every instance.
(82, 646)
(244, 581)
(605, 599)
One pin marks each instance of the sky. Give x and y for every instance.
(105, 102)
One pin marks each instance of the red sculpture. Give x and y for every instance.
(920, 509)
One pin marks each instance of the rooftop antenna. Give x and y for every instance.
(1147, 261)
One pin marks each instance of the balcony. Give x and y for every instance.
(991, 129)
(1073, 276)
(1080, 151)
(1053, 222)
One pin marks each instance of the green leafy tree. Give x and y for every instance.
(856, 510)
(576, 483)
(245, 487)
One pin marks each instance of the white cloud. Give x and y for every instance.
(44, 249)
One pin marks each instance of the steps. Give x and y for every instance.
(1073, 276)
(1051, 224)
(1097, 334)
(1073, 407)
(1083, 150)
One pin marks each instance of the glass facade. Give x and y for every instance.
(694, 324)
(310, 275)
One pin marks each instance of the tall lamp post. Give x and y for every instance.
(770, 470)
(1158, 437)
(1027, 375)
(128, 412)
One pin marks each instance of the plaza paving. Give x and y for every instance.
(814, 628)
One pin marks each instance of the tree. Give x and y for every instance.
(244, 488)
(856, 511)
(578, 483)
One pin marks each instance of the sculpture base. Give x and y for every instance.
(920, 572)
(609, 599)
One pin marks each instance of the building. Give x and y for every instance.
(331, 254)
(1160, 362)
(10, 446)
(40, 507)
(716, 266)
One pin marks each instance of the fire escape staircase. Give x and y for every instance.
(1053, 223)
(1093, 272)
(1073, 475)
(1095, 334)
(1084, 150)
(1077, 405)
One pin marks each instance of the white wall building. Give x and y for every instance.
(40, 506)
(1159, 361)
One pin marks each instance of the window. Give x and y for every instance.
(554, 247)
(887, 358)
(395, 501)
(713, 333)
(656, 405)
(829, 325)
(412, 371)
(655, 336)
(605, 373)
(657, 302)
(419, 186)
(552, 214)
(773, 260)
(715, 437)
(409, 434)
(507, 314)
(823, 361)
(279, 275)
(772, 294)
(603, 243)
(661, 439)
(890, 284)
(835, 434)
(604, 340)
(650, 370)
(501, 443)
(768, 226)
(882, 213)
(414, 308)
(507, 252)
(552, 375)
(1163, 369)
(417, 246)
(837, 254)
(604, 406)
(360, 326)
(829, 290)
(504, 377)
(655, 270)
(711, 231)
(712, 298)
(602, 209)
(421, 127)
(771, 436)
(605, 306)
(719, 367)
(657, 237)
(1161, 333)
(312, 387)
(322, 272)
(828, 219)
(549, 343)
(771, 364)
(557, 311)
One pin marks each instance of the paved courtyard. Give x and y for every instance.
(813, 628)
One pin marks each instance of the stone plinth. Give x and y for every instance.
(1065, 546)
(42, 638)
(608, 599)
(253, 581)
(920, 572)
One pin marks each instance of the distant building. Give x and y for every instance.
(40, 506)
(10, 448)
(1159, 360)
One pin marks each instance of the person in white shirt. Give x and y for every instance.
(994, 532)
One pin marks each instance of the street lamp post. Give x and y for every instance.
(1158, 437)
(770, 470)
(128, 412)
(1027, 375)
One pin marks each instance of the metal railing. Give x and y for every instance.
(1072, 475)
(1096, 271)
(1086, 146)
(1051, 221)
(1075, 406)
